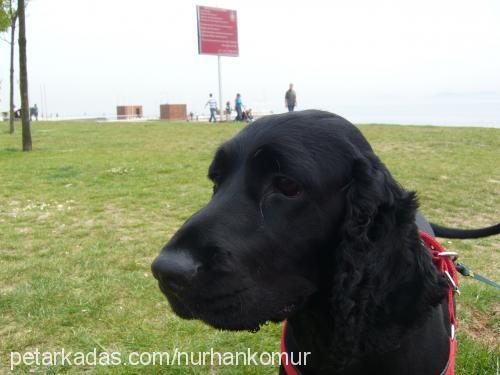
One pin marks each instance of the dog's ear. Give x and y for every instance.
(383, 278)
(370, 190)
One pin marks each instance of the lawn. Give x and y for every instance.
(84, 214)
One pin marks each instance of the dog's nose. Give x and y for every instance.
(175, 269)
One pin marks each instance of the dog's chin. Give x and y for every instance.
(245, 310)
(225, 319)
(233, 318)
(230, 324)
(179, 308)
(250, 321)
(240, 322)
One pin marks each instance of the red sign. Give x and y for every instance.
(217, 31)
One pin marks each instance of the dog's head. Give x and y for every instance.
(301, 207)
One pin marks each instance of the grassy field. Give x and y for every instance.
(84, 214)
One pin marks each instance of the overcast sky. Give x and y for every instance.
(367, 60)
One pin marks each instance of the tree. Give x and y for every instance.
(23, 76)
(10, 13)
(4, 18)
(13, 19)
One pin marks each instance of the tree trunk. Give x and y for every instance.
(12, 48)
(23, 75)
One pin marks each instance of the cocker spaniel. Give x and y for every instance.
(307, 224)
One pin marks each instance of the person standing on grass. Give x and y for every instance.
(290, 98)
(238, 106)
(228, 110)
(34, 112)
(212, 103)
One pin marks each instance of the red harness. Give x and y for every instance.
(446, 266)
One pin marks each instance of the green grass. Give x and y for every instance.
(84, 214)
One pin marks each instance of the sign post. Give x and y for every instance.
(217, 35)
(221, 107)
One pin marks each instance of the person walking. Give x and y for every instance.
(290, 98)
(212, 103)
(34, 112)
(238, 106)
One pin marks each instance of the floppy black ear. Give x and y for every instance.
(383, 279)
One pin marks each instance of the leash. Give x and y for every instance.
(465, 271)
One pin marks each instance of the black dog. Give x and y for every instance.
(307, 224)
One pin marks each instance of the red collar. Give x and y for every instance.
(446, 266)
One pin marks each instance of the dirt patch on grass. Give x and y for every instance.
(7, 289)
(477, 326)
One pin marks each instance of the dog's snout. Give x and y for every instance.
(175, 269)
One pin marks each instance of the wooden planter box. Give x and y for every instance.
(173, 112)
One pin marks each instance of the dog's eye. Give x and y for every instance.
(286, 186)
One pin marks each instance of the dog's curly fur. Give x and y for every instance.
(307, 224)
(384, 283)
